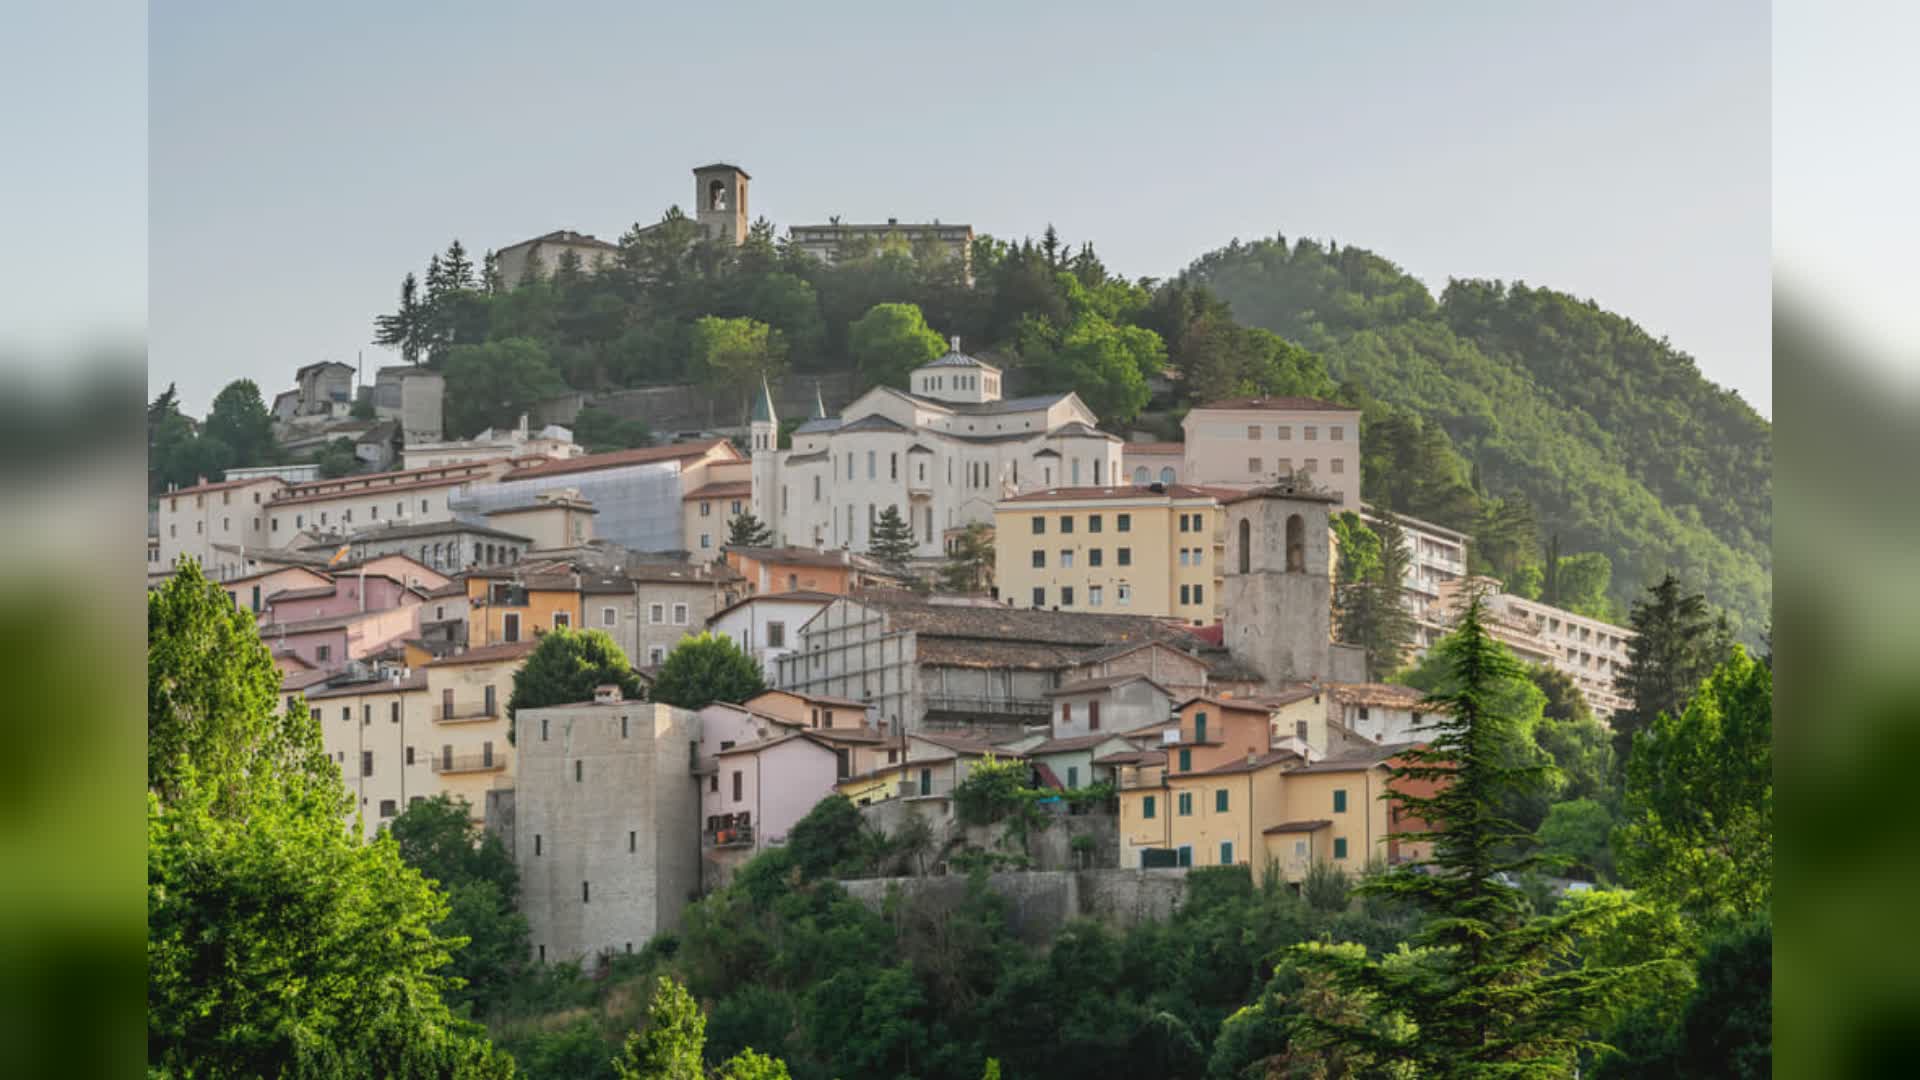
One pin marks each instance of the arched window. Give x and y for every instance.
(1140, 474)
(1166, 475)
(1246, 546)
(1296, 544)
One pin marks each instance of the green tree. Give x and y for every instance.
(1574, 838)
(438, 838)
(1368, 604)
(745, 530)
(1584, 581)
(239, 418)
(278, 942)
(1699, 800)
(566, 667)
(492, 385)
(669, 1047)
(1676, 644)
(340, 458)
(736, 353)
(600, 431)
(703, 669)
(892, 541)
(408, 328)
(1106, 364)
(1497, 996)
(891, 340)
(969, 566)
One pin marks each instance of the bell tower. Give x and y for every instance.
(720, 201)
(1278, 585)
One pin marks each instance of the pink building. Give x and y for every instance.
(329, 641)
(756, 794)
(338, 597)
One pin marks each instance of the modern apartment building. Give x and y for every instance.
(1132, 550)
(1436, 555)
(1592, 651)
(1252, 442)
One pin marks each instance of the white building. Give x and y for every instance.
(1436, 556)
(767, 626)
(1251, 442)
(553, 442)
(942, 455)
(234, 515)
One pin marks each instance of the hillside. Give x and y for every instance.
(1613, 436)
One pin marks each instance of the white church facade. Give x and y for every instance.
(942, 454)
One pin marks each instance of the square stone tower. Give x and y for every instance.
(1279, 581)
(720, 201)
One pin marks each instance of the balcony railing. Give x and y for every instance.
(465, 714)
(728, 830)
(987, 706)
(467, 763)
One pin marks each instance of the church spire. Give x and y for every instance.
(819, 402)
(763, 410)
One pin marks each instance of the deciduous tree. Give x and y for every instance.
(566, 667)
(706, 668)
(891, 340)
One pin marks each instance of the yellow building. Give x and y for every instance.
(1333, 813)
(375, 730)
(464, 716)
(1130, 550)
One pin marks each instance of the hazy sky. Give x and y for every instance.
(303, 158)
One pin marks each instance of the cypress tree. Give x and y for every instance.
(892, 543)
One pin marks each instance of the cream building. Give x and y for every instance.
(339, 506)
(376, 731)
(1251, 442)
(463, 741)
(1131, 550)
(943, 454)
(234, 515)
(539, 257)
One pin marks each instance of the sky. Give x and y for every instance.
(304, 158)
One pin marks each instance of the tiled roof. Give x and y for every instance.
(907, 611)
(771, 741)
(1153, 448)
(371, 492)
(798, 596)
(415, 681)
(1360, 760)
(302, 594)
(300, 680)
(1123, 648)
(990, 408)
(1385, 695)
(1278, 404)
(271, 630)
(965, 744)
(818, 699)
(566, 236)
(1089, 685)
(1230, 704)
(1071, 743)
(1127, 491)
(1286, 489)
(618, 458)
(432, 528)
(1297, 826)
(1242, 765)
(487, 654)
(724, 490)
(223, 485)
(1133, 757)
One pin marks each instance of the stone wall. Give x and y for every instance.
(1040, 903)
(691, 407)
(499, 821)
(1050, 848)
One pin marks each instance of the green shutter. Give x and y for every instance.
(1147, 807)
(1339, 847)
(1340, 800)
(1220, 801)
(1186, 761)
(1226, 853)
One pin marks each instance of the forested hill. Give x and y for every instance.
(1613, 436)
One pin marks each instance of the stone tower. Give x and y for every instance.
(763, 434)
(720, 201)
(1279, 583)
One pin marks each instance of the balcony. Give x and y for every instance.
(447, 764)
(985, 706)
(466, 714)
(728, 831)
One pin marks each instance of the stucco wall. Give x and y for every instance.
(1040, 903)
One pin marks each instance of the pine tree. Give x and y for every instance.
(1369, 608)
(405, 329)
(457, 267)
(1492, 990)
(892, 542)
(746, 530)
(1550, 583)
(490, 274)
(969, 565)
(1677, 642)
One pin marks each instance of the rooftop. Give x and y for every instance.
(1297, 826)
(413, 682)
(1359, 760)
(726, 489)
(1153, 448)
(487, 654)
(1241, 765)
(1278, 404)
(567, 236)
(965, 743)
(798, 596)
(644, 456)
(432, 528)
(223, 485)
(992, 622)
(1071, 743)
(1385, 695)
(1085, 686)
(1125, 491)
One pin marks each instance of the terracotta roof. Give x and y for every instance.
(566, 236)
(1153, 448)
(1358, 761)
(644, 456)
(816, 699)
(1125, 647)
(1125, 491)
(1133, 757)
(1297, 826)
(850, 735)
(1231, 704)
(415, 681)
(303, 594)
(798, 596)
(269, 630)
(432, 528)
(1278, 404)
(221, 485)
(371, 492)
(1087, 685)
(996, 623)
(277, 570)
(1071, 743)
(1385, 695)
(726, 489)
(487, 654)
(300, 680)
(758, 745)
(1242, 765)
(965, 744)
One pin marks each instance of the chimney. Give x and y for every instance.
(1251, 757)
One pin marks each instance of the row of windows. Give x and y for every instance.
(1095, 523)
(1285, 465)
(1193, 594)
(1095, 557)
(409, 756)
(1193, 523)
(1309, 432)
(1096, 595)
(706, 508)
(1142, 475)
(1222, 801)
(346, 516)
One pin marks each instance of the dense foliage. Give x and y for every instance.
(567, 665)
(279, 943)
(438, 838)
(704, 668)
(1612, 435)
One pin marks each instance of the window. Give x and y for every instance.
(735, 508)
(1300, 730)
(1039, 559)
(625, 727)
(849, 464)
(816, 489)
(739, 781)
(1183, 556)
(776, 635)
(872, 469)
(1284, 466)
(1122, 594)
(1066, 596)
(1339, 847)
(1336, 432)
(366, 763)
(543, 729)
(1199, 592)
(1310, 465)
(1365, 713)
(706, 540)
(1039, 596)
(1094, 556)
(1093, 523)
(633, 846)
(1186, 800)
(656, 655)
(1338, 465)
(389, 807)
(1185, 523)
(510, 626)
(1284, 431)
(579, 773)
(656, 613)
(679, 614)
(706, 509)
(1220, 801)
(713, 784)
(536, 844)
(562, 620)
(1226, 853)
(1186, 594)
(322, 653)
(1066, 560)
(1199, 727)
(1066, 713)
(585, 893)
(1312, 432)
(1186, 760)
(1140, 474)
(393, 712)
(1253, 432)
(1094, 595)
(1166, 475)
(409, 755)
(893, 466)
(491, 699)
(1340, 800)
(609, 616)
(1186, 855)
(1147, 807)
(1253, 465)
(1123, 556)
